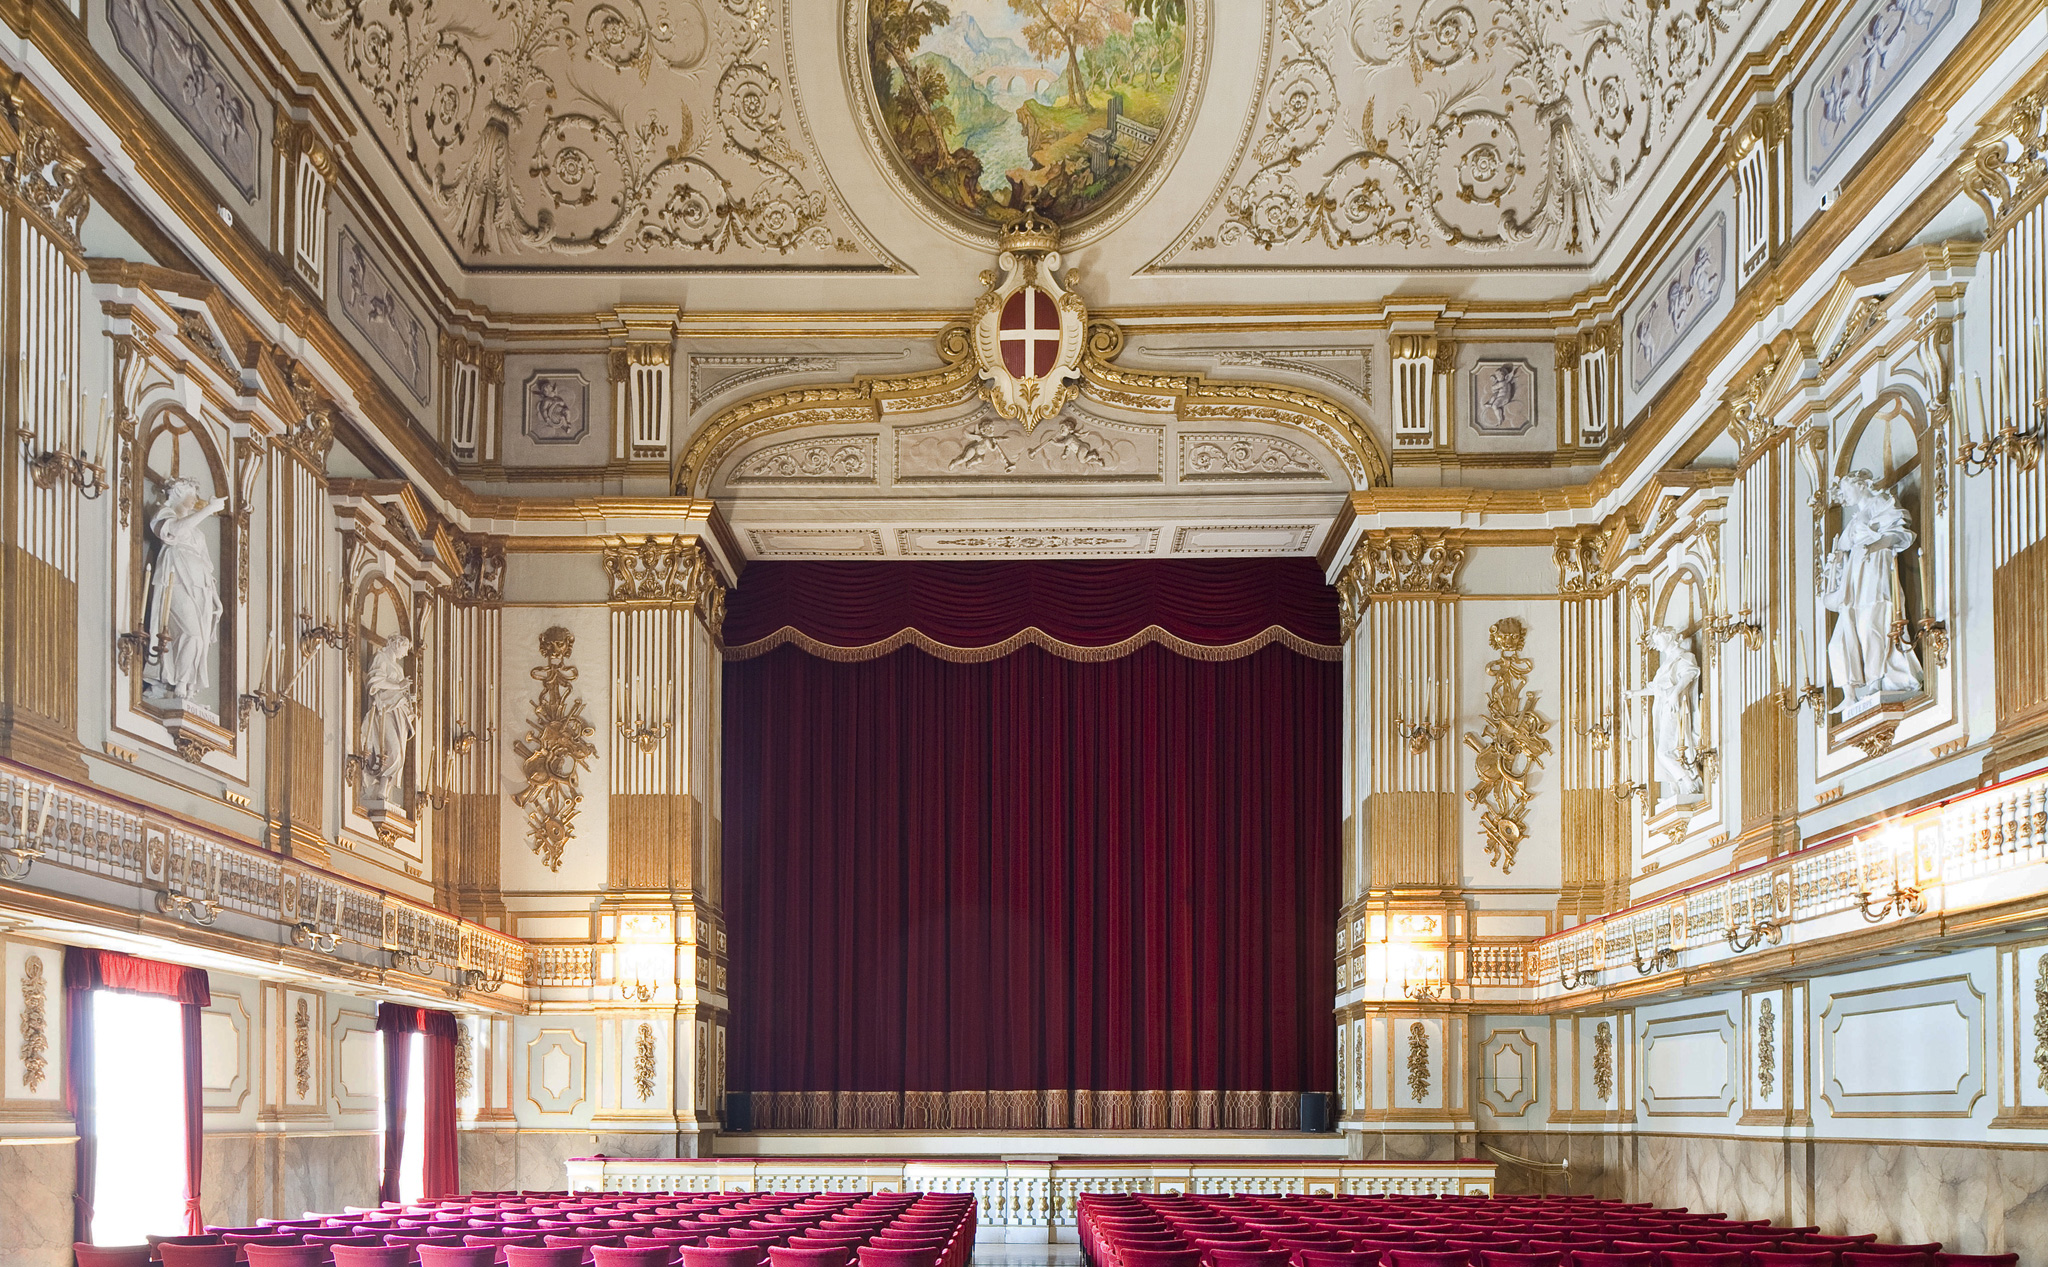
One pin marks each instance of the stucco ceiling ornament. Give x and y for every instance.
(1029, 327)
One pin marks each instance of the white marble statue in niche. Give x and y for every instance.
(1674, 693)
(184, 591)
(1860, 584)
(388, 721)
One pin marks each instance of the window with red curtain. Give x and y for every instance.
(85, 972)
(1032, 845)
(431, 1034)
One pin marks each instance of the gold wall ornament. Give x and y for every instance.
(1028, 325)
(1411, 563)
(554, 749)
(1418, 1062)
(643, 1062)
(1999, 184)
(465, 1061)
(2041, 1022)
(1508, 747)
(1603, 1061)
(35, 1039)
(676, 570)
(1766, 1049)
(302, 1049)
(42, 170)
(1581, 561)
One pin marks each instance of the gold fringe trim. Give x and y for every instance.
(1033, 636)
(1056, 1110)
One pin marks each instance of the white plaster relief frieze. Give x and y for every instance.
(376, 309)
(1222, 455)
(1886, 39)
(986, 448)
(818, 460)
(175, 60)
(1027, 542)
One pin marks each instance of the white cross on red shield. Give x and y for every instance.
(1029, 331)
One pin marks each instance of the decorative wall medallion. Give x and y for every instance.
(465, 1061)
(1766, 1049)
(1216, 455)
(1503, 397)
(1443, 132)
(35, 1039)
(557, 406)
(1418, 1061)
(556, 746)
(1028, 326)
(643, 1062)
(823, 460)
(987, 448)
(374, 307)
(1886, 39)
(617, 132)
(179, 64)
(960, 543)
(1603, 1061)
(1509, 747)
(1687, 290)
(302, 1050)
(987, 106)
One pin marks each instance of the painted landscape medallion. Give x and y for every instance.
(992, 105)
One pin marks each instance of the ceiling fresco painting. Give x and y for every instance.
(602, 133)
(993, 105)
(1445, 132)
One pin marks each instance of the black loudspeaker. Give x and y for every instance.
(1315, 1112)
(739, 1111)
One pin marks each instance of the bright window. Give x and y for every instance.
(412, 1163)
(139, 1108)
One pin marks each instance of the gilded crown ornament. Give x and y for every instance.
(1029, 328)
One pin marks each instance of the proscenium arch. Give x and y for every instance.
(1187, 397)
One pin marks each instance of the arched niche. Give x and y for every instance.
(183, 529)
(380, 615)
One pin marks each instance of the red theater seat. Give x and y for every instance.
(213, 1254)
(457, 1255)
(810, 1256)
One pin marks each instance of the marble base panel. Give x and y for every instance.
(256, 1174)
(35, 1202)
(1974, 1200)
(1406, 1146)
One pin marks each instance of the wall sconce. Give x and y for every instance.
(48, 466)
(1725, 627)
(643, 956)
(644, 737)
(461, 739)
(1578, 975)
(16, 859)
(1661, 959)
(312, 637)
(191, 904)
(1902, 900)
(308, 934)
(1599, 737)
(1750, 932)
(1419, 735)
(2008, 443)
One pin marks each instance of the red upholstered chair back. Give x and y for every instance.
(211, 1255)
(793, 1255)
(1680, 1258)
(370, 1255)
(1610, 1258)
(1850, 1258)
(1337, 1258)
(1428, 1258)
(543, 1256)
(1976, 1260)
(1930, 1249)
(1160, 1257)
(1792, 1258)
(286, 1255)
(455, 1256)
(1500, 1258)
(719, 1256)
(110, 1255)
(619, 1256)
(882, 1256)
(158, 1242)
(1249, 1257)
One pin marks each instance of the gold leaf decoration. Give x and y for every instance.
(35, 1040)
(643, 1062)
(1766, 1050)
(555, 748)
(1508, 747)
(1603, 1061)
(302, 1049)
(1418, 1062)
(465, 1061)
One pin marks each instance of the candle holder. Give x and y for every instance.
(404, 960)
(461, 739)
(2010, 444)
(1747, 936)
(306, 935)
(638, 991)
(1578, 976)
(198, 910)
(1599, 737)
(487, 982)
(1791, 700)
(48, 466)
(1628, 789)
(1419, 735)
(644, 737)
(1903, 900)
(1662, 959)
(16, 860)
(314, 636)
(1725, 627)
(1425, 991)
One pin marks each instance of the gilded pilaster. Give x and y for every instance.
(1595, 840)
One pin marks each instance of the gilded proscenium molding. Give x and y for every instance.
(1508, 748)
(1418, 1061)
(1397, 563)
(35, 1039)
(674, 571)
(556, 747)
(1187, 397)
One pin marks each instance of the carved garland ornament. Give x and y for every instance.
(1418, 1062)
(1411, 563)
(2041, 1023)
(302, 1049)
(1766, 1050)
(35, 1040)
(1603, 1061)
(1508, 747)
(554, 749)
(465, 1061)
(643, 1062)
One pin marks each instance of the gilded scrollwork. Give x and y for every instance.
(302, 1049)
(673, 570)
(1508, 747)
(555, 749)
(35, 1039)
(1603, 1061)
(1396, 563)
(1470, 126)
(643, 1062)
(572, 128)
(465, 1061)
(2041, 1023)
(1766, 1049)
(41, 170)
(1418, 1061)
(1581, 559)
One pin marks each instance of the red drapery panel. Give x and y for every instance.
(88, 970)
(1032, 891)
(1210, 602)
(437, 1031)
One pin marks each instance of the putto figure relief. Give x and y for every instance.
(1860, 584)
(184, 591)
(388, 721)
(1674, 694)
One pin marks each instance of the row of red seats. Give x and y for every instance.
(564, 1230)
(1136, 1230)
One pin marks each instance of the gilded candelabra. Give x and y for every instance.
(1578, 975)
(1902, 900)
(1725, 627)
(645, 737)
(47, 466)
(1662, 959)
(2009, 443)
(1419, 735)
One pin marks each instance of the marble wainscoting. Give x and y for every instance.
(35, 1202)
(496, 1160)
(251, 1175)
(1408, 1146)
(1973, 1199)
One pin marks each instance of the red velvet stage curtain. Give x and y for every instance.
(89, 970)
(1035, 891)
(437, 1031)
